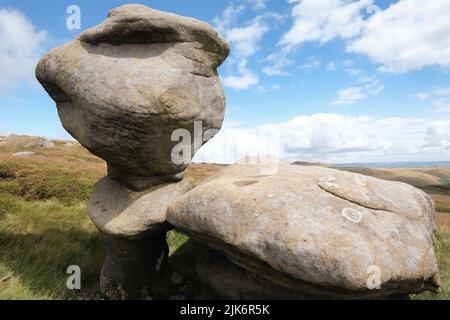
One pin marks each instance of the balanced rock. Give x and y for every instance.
(128, 90)
(124, 86)
(318, 231)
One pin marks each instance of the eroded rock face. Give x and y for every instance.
(124, 86)
(316, 230)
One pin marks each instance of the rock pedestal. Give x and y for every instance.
(122, 89)
(134, 228)
(133, 265)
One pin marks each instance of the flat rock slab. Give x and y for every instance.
(316, 230)
(118, 211)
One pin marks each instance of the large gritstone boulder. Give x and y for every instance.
(317, 231)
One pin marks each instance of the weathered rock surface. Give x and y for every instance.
(118, 211)
(27, 142)
(318, 231)
(124, 86)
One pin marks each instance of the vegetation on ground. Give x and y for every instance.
(44, 227)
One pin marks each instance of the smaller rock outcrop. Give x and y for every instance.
(26, 142)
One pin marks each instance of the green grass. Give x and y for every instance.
(443, 255)
(38, 241)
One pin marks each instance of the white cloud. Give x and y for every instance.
(351, 95)
(311, 63)
(258, 4)
(443, 91)
(441, 97)
(321, 21)
(228, 17)
(409, 35)
(366, 87)
(266, 89)
(441, 106)
(331, 66)
(324, 20)
(422, 95)
(244, 41)
(334, 138)
(21, 45)
(243, 80)
(278, 62)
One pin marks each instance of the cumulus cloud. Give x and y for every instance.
(325, 20)
(367, 87)
(245, 41)
(278, 61)
(422, 95)
(351, 95)
(21, 45)
(443, 91)
(258, 4)
(311, 63)
(409, 35)
(442, 105)
(321, 21)
(267, 89)
(334, 138)
(440, 97)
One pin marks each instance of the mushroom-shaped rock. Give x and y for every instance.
(319, 231)
(123, 87)
(128, 90)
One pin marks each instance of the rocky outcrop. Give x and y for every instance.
(124, 86)
(26, 142)
(317, 231)
(122, 89)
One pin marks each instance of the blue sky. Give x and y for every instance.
(329, 80)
